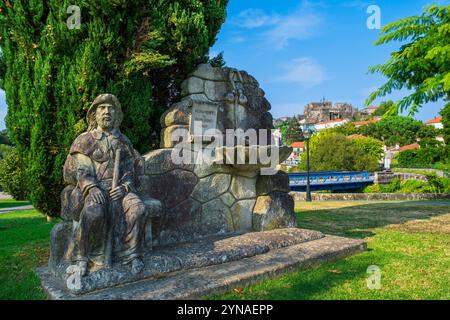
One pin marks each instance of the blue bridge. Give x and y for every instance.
(330, 180)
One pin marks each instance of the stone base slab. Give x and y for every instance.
(216, 278)
(184, 256)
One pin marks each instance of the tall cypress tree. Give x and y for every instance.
(138, 50)
(294, 132)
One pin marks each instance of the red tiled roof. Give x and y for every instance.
(410, 147)
(362, 123)
(298, 145)
(331, 121)
(435, 120)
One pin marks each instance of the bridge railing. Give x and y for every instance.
(330, 178)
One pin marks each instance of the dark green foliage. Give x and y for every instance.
(294, 132)
(422, 157)
(421, 64)
(138, 50)
(434, 184)
(392, 187)
(445, 113)
(430, 143)
(283, 127)
(4, 149)
(335, 152)
(346, 129)
(218, 61)
(413, 186)
(385, 106)
(398, 130)
(437, 184)
(4, 138)
(12, 175)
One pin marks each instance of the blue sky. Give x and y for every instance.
(301, 51)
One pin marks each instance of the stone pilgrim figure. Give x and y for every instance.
(109, 218)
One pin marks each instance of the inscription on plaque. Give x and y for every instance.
(203, 118)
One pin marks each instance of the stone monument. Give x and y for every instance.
(210, 197)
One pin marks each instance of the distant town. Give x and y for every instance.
(320, 116)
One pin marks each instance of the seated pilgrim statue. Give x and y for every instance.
(109, 217)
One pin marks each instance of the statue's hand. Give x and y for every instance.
(117, 193)
(97, 195)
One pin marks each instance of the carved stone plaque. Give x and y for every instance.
(203, 118)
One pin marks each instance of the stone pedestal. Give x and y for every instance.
(213, 265)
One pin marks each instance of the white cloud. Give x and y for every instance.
(238, 39)
(255, 18)
(294, 27)
(356, 4)
(304, 71)
(279, 30)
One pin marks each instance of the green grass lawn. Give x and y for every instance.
(410, 242)
(24, 241)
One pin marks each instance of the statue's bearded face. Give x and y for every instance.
(105, 116)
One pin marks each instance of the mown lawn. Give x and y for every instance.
(409, 242)
(24, 241)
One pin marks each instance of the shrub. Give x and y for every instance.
(374, 188)
(4, 149)
(413, 186)
(437, 184)
(433, 185)
(392, 187)
(422, 157)
(12, 175)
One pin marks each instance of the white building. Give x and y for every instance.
(436, 122)
(294, 158)
(330, 124)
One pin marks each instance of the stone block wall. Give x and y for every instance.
(203, 200)
(208, 199)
